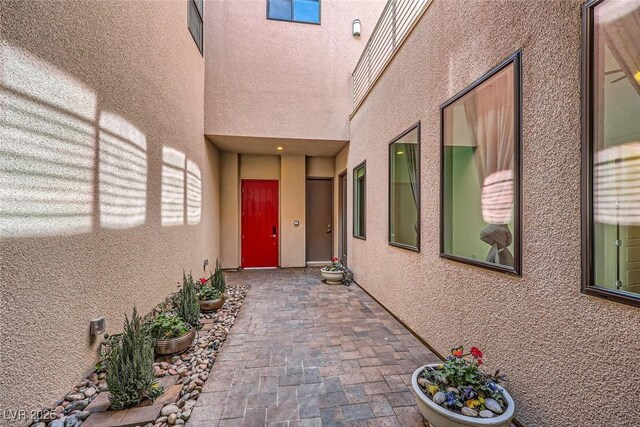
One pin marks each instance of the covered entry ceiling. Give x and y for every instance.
(261, 145)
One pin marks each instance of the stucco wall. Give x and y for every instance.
(81, 78)
(229, 210)
(282, 79)
(571, 359)
(321, 167)
(292, 208)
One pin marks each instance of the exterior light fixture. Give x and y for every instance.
(279, 148)
(355, 28)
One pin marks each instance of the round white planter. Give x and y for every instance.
(333, 277)
(442, 417)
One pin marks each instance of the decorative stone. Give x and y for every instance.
(422, 382)
(72, 397)
(56, 423)
(77, 406)
(169, 409)
(84, 415)
(469, 412)
(90, 392)
(486, 414)
(493, 406)
(453, 390)
(172, 419)
(439, 398)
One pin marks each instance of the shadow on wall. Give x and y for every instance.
(53, 139)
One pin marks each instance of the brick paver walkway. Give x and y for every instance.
(303, 353)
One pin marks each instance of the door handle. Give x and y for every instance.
(328, 229)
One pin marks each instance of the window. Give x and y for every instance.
(359, 200)
(480, 194)
(194, 16)
(307, 11)
(611, 149)
(404, 190)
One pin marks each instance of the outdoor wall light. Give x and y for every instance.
(355, 28)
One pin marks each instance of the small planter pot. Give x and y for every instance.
(442, 417)
(175, 345)
(333, 277)
(211, 304)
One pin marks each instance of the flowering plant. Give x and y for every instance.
(336, 265)
(460, 385)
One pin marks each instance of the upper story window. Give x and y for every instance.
(480, 149)
(404, 190)
(611, 149)
(194, 17)
(307, 11)
(359, 200)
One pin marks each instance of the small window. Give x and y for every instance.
(194, 16)
(611, 149)
(480, 179)
(359, 200)
(404, 190)
(307, 11)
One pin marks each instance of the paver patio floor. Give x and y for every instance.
(303, 353)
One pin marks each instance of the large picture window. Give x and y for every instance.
(611, 138)
(359, 200)
(404, 190)
(480, 194)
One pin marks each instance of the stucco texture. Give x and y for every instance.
(571, 359)
(78, 77)
(280, 79)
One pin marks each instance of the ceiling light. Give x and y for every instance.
(279, 148)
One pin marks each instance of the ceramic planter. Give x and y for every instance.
(211, 304)
(333, 277)
(175, 345)
(442, 417)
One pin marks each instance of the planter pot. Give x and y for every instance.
(442, 417)
(211, 304)
(175, 345)
(333, 277)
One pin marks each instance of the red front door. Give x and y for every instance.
(259, 223)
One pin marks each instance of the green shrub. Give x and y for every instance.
(166, 326)
(130, 376)
(208, 293)
(187, 305)
(217, 280)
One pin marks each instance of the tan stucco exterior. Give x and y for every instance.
(292, 208)
(118, 69)
(269, 78)
(571, 359)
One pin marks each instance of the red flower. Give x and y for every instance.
(458, 352)
(479, 361)
(475, 352)
(203, 280)
(334, 259)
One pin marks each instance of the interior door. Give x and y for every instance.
(343, 218)
(259, 223)
(319, 212)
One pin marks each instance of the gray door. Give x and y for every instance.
(319, 231)
(343, 218)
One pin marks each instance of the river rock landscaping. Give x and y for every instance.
(180, 377)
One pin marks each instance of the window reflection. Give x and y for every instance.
(404, 191)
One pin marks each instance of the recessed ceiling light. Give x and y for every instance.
(279, 148)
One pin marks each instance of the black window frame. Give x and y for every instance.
(516, 270)
(363, 208)
(588, 285)
(295, 20)
(416, 248)
(200, 13)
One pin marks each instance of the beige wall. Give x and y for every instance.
(571, 358)
(340, 164)
(321, 167)
(282, 79)
(259, 166)
(229, 210)
(292, 208)
(87, 82)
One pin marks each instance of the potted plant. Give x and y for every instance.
(333, 274)
(459, 393)
(211, 292)
(172, 334)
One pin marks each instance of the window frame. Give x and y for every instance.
(363, 226)
(199, 45)
(294, 20)
(588, 285)
(416, 248)
(516, 270)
